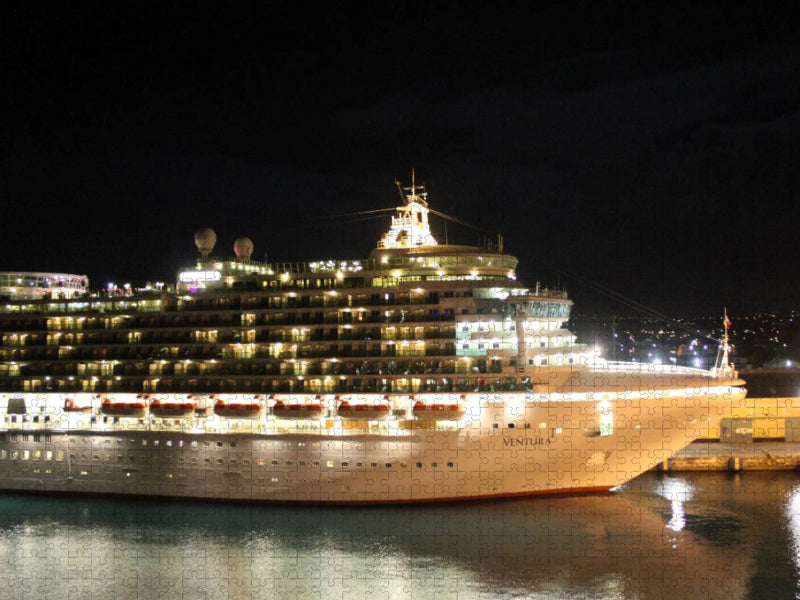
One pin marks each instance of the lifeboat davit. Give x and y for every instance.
(238, 410)
(438, 411)
(71, 406)
(172, 409)
(364, 411)
(120, 408)
(298, 410)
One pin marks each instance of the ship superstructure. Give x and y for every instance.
(425, 371)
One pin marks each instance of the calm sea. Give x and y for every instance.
(662, 536)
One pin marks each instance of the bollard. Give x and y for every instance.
(735, 464)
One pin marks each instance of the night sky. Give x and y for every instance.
(656, 152)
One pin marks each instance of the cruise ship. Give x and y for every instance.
(424, 372)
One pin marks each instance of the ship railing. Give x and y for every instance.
(644, 366)
(537, 294)
(467, 258)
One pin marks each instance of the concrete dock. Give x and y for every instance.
(743, 456)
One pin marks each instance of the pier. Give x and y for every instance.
(738, 456)
(759, 434)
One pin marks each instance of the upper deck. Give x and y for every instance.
(35, 285)
(414, 316)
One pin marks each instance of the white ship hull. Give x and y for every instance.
(507, 444)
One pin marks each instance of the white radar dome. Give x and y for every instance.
(243, 247)
(205, 239)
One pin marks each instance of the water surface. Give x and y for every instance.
(661, 536)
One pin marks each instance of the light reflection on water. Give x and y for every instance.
(661, 536)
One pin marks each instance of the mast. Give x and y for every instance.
(410, 228)
(722, 366)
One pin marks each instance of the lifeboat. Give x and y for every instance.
(71, 406)
(364, 411)
(238, 410)
(438, 411)
(119, 408)
(172, 409)
(298, 410)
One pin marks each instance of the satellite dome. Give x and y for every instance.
(205, 239)
(243, 247)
